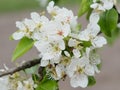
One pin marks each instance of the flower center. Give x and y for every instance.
(80, 70)
(60, 33)
(68, 19)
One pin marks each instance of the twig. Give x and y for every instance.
(24, 66)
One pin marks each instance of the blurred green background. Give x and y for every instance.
(17, 5)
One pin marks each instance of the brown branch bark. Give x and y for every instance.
(24, 66)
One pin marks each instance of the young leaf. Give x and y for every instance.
(84, 7)
(86, 44)
(11, 38)
(108, 22)
(47, 84)
(35, 77)
(89, 13)
(23, 46)
(113, 38)
(56, 1)
(99, 66)
(32, 70)
(92, 81)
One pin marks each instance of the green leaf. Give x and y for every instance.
(99, 66)
(89, 13)
(32, 70)
(23, 46)
(11, 38)
(108, 22)
(36, 78)
(47, 84)
(91, 81)
(56, 1)
(84, 7)
(86, 43)
(114, 37)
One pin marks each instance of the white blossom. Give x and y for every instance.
(30, 24)
(92, 29)
(35, 17)
(21, 32)
(67, 53)
(108, 4)
(18, 35)
(4, 81)
(76, 53)
(104, 5)
(26, 85)
(26, 27)
(60, 71)
(66, 16)
(97, 6)
(99, 41)
(94, 59)
(52, 9)
(94, 18)
(56, 30)
(77, 72)
(39, 20)
(79, 80)
(20, 86)
(50, 50)
(16, 82)
(62, 15)
(90, 34)
(29, 84)
(63, 50)
(73, 42)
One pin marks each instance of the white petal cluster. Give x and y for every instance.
(63, 51)
(91, 32)
(4, 82)
(16, 82)
(103, 5)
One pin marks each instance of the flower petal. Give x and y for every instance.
(44, 63)
(108, 4)
(76, 53)
(60, 70)
(30, 24)
(99, 41)
(89, 70)
(79, 80)
(67, 53)
(18, 35)
(72, 42)
(61, 44)
(20, 25)
(84, 35)
(35, 17)
(94, 18)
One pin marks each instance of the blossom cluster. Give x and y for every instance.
(103, 5)
(16, 82)
(65, 50)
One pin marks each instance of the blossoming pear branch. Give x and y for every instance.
(64, 49)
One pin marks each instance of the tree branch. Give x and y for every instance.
(24, 66)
